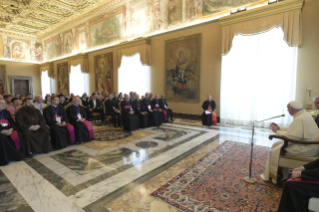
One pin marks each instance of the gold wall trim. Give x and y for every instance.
(48, 64)
(136, 42)
(271, 9)
(76, 57)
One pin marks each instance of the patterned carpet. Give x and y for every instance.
(215, 183)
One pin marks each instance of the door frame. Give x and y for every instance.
(12, 78)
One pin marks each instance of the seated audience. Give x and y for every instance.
(10, 140)
(303, 126)
(7, 98)
(156, 107)
(17, 95)
(83, 129)
(62, 133)
(164, 107)
(71, 97)
(14, 107)
(209, 117)
(62, 99)
(47, 100)
(130, 119)
(112, 109)
(95, 106)
(120, 97)
(303, 184)
(85, 100)
(39, 103)
(137, 107)
(32, 124)
(153, 116)
(22, 97)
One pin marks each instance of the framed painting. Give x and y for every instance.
(182, 68)
(103, 66)
(63, 78)
(3, 84)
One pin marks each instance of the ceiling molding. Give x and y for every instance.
(271, 9)
(136, 42)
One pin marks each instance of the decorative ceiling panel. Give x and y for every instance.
(35, 17)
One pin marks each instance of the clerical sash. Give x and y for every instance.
(69, 127)
(90, 128)
(128, 107)
(214, 117)
(303, 181)
(14, 135)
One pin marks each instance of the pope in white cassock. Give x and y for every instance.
(303, 126)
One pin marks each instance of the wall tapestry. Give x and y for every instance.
(63, 78)
(182, 64)
(103, 66)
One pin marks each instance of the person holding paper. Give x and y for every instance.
(131, 121)
(112, 109)
(164, 107)
(152, 115)
(32, 124)
(137, 107)
(62, 132)
(156, 107)
(209, 117)
(10, 139)
(77, 116)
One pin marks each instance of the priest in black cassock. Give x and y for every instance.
(137, 107)
(156, 108)
(164, 107)
(32, 124)
(112, 109)
(62, 133)
(303, 184)
(11, 143)
(207, 117)
(153, 116)
(131, 121)
(95, 106)
(63, 101)
(77, 116)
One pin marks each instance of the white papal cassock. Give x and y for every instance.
(302, 127)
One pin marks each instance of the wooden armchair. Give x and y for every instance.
(291, 162)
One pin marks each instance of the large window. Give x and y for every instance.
(258, 79)
(45, 84)
(133, 75)
(79, 82)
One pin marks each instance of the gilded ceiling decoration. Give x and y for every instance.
(34, 17)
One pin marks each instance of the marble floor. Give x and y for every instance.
(115, 174)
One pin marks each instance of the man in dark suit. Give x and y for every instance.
(305, 185)
(164, 106)
(112, 109)
(95, 106)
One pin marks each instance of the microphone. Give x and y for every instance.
(274, 117)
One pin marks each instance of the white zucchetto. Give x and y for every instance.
(296, 104)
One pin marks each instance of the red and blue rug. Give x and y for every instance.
(215, 183)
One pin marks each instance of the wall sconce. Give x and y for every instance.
(274, 1)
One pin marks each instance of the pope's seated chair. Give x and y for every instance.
(291, 162)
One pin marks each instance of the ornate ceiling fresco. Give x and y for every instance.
(46, 30)
(35, 17)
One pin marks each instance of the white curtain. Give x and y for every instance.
(133, 75)
(258, 79)
(45, 84)
(79, 82)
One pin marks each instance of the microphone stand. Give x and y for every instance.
(250, 179)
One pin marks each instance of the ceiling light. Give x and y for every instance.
(234, 11)
(242, 9)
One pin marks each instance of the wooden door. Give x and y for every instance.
(21, 87)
